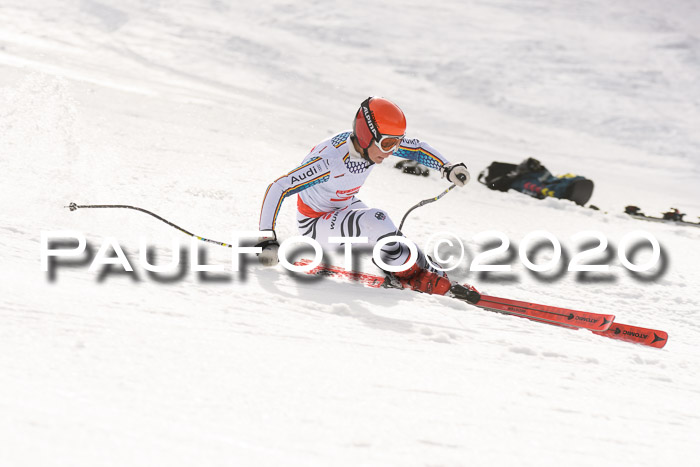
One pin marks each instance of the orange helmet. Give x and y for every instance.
(377, 117)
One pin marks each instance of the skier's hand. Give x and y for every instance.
(456, 173)
(268, 256)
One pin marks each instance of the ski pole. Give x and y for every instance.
(73, 207)
(423, 203)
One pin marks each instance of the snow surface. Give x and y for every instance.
(190, 108)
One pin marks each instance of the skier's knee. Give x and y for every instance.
(378, 222)
(379, 214)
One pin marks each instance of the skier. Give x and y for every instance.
(330, 177)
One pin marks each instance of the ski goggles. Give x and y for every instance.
(388, 143)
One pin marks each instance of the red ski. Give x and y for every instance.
(370, 280)
(635, 334)
(601, 324)
(545, 313)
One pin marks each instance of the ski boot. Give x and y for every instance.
(423, 280)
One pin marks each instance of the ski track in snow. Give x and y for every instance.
(190, 109)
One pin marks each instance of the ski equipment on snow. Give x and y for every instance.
(601, 324)
(635, 334)
(408, 166)
(532, 178)
(674, 216)
(548, 314)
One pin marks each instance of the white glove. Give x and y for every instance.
(456, 173)
(269, 254)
